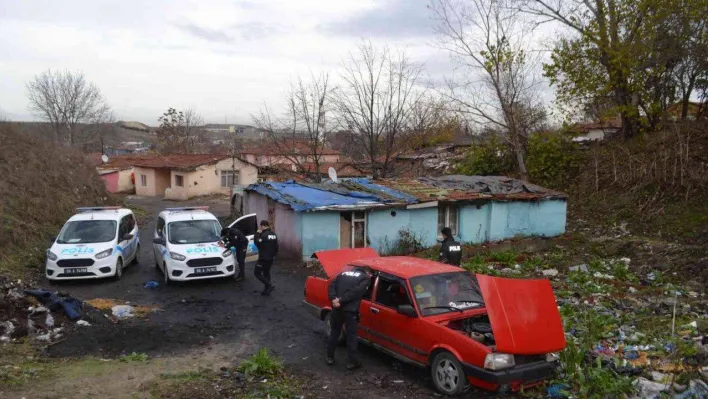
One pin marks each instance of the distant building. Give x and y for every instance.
(244, 132)
(268, 153)
(595, 131)
(695, 110)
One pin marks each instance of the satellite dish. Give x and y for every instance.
(332, 174)
(104, 158)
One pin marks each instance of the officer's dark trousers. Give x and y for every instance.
(241, 260)
(339, 319)
(262, 271)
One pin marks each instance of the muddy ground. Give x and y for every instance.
(227, 321)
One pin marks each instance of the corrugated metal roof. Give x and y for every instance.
(363, 193)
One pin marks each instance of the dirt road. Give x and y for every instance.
(230, 318)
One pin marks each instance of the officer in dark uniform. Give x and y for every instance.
(235, 240)
(267, 243)
(345, 292)
(451, 250)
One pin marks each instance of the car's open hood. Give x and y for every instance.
(524, 315)
(333, 261)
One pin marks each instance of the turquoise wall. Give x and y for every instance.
(383, 228)
(511, 219)
(474, 223)
(320, 230)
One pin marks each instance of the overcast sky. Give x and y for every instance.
(224, 58)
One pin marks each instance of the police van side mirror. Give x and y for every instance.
(159, 241)
(127, 236)
(407, 310)
(52, 239)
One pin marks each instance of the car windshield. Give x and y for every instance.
(87, 231)
(446, 292)
(194, 231)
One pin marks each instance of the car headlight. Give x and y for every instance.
(227, 253)
(104, 254)
(552, 357)
(176, 256)
(498, 361)
(51, 255)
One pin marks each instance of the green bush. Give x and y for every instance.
(491, 157)
(553, 160)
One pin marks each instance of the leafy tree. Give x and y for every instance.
(181, 132)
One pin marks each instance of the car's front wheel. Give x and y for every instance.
(166, 273)
(447, 373)
(119, 269)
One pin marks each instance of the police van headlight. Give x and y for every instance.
(104, 254)
(51, 255)
(499, 361)
(176, 256)
(227, 253)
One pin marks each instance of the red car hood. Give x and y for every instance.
(333, 261)
(523, 314)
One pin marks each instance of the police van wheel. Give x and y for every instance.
(119, 269)
(166, 273)
(135, 258)
(328, 329)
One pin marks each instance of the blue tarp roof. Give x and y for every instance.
(350, 193)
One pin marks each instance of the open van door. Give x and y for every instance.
(248, 225)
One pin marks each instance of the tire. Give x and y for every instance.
(328, 329)
(135, 258)
(166, 273)
(119, 269)
(447, 373)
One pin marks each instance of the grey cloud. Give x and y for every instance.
(394, 19)
(208, 34)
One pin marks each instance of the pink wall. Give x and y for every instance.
(111, 181)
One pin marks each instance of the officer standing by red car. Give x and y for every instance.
(346, 292)
(450, 250)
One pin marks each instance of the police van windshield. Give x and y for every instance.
(87, 231)
(194, 231)
(446, 292)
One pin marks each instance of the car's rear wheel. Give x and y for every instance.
(448, 376)
(119, 269)
(328, 329)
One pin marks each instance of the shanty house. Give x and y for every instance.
(183, 176)
(363, 213)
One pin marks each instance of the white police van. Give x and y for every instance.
(187, 244)
(97, 242)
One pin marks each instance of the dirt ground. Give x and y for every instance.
(212, 324)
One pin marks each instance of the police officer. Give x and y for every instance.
(451, 250)
(267, 243)
(238, 243)
(345, 292)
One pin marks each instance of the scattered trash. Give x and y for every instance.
(632, 290)
(579, 268)
(603, 276)
(550, 272)
(49, 321)
(696, 389)
(70, 306)
(83, 323)
(152, 284)
(122, 311)
(558, 391)
(649, 389)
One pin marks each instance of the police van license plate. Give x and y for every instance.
(75, 270)
(202, 270)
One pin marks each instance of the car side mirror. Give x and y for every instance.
(407, 310)
(127, 236)
(52, 239)
(159, 241)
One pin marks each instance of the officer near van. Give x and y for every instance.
(235, 240)
(450, 250)
(267, 243)
(346, 292)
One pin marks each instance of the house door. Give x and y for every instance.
(352, 229)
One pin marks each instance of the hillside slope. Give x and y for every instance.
(40, 185)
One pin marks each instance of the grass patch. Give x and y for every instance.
(134, 357)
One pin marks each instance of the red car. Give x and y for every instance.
(490, 332)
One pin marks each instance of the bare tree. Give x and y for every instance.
(501, 85)
(66, 100)
(376, 100)
(181, 132)
(300, 135)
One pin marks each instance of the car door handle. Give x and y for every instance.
(374, 310)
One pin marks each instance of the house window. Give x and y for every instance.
(179, 180)
(230, 178)
(447, 217)
(143, 180)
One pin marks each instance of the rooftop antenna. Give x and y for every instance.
(332, 174)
